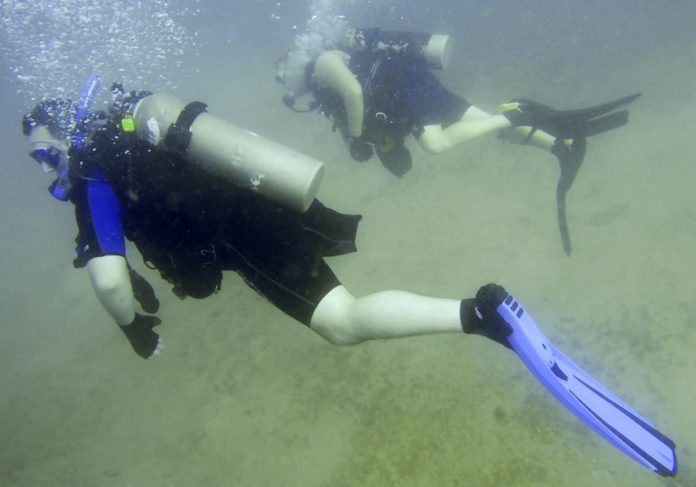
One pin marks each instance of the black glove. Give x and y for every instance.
(491, 324)
(141, 336)
(143, 292)
(360, 150)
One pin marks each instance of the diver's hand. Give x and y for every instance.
(142, 338)
(360, 150)
(491, 324)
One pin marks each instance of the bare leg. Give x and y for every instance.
(519, 135)
(344, 320)
(474, 123)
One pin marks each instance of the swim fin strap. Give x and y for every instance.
(592, 403)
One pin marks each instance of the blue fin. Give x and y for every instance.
(592, 403)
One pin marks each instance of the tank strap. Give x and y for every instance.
(179, 133)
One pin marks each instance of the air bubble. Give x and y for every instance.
(51, 47)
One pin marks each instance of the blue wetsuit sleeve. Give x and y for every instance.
(105, 211)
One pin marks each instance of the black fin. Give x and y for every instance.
(585, 122)
(606, 123)
(596, 111)
(570, 159)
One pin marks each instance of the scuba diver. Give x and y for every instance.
(378, 87)
(199, 196)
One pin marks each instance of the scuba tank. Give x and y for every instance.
(236, 154)
(436, 49)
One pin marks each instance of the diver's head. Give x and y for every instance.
(48, 127)
(47, 149)
(291, 69)
(291, 75)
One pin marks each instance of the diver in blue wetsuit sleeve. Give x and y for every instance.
(378, 87)
(198, 196)
(232, 209)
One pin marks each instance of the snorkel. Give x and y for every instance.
(83, 106)
(60, 189)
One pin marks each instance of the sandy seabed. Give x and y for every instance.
(242, 395)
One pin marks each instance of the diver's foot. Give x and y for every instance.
(522, 112)
(584, 122)
(479, 316)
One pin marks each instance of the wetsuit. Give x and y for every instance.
(400, 93)
(191, 225)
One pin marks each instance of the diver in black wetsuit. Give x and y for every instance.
(131, 176)
(378, 87)
(151, 170)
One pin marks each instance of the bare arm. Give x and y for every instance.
(331, 71)
(112, 285)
